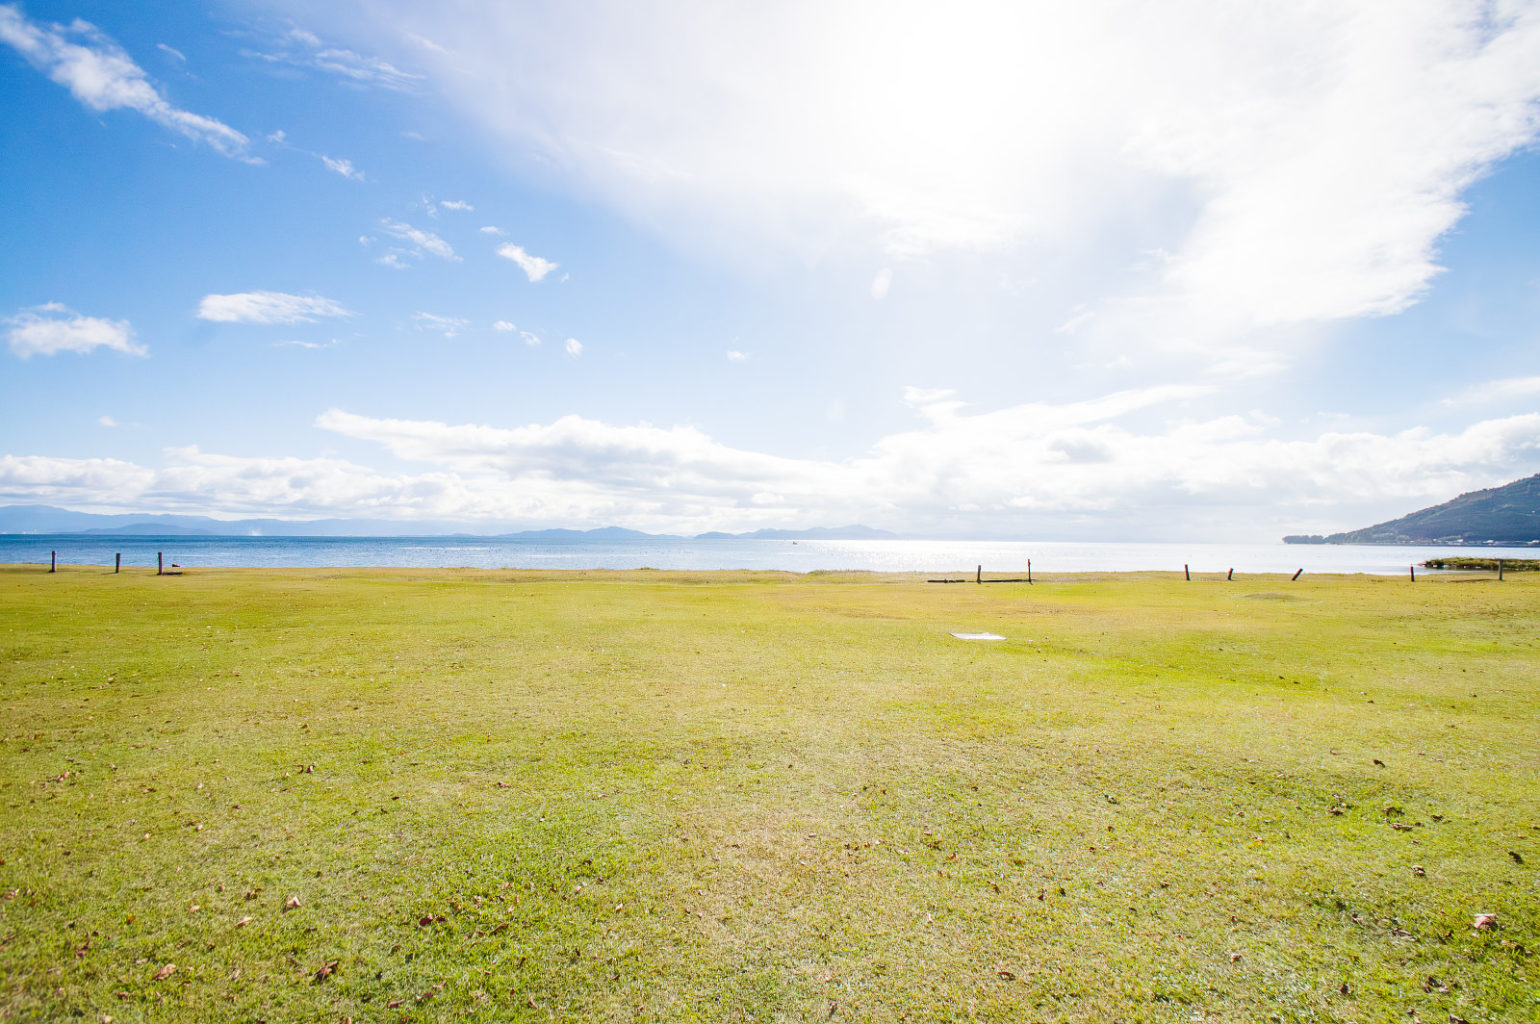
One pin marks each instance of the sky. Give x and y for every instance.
(1101, 270)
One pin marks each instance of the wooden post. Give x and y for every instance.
(117, 562)
(160, 564)
(980, 577)
(1231, 574)
(1029, 570)
(1296, 575)
(1499, 570)
(1413, 569)
(53, 561)
(1186, 571)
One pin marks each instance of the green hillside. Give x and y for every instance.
(1499, 515)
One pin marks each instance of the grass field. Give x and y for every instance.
(394, 795)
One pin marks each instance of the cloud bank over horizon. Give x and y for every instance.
(1022, 470)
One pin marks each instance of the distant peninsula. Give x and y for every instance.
(1507, 516)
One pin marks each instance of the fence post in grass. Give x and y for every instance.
(1186, 571)
(1413, 569)
(1499, 570)
(117, 562)
(1029, 570)
(160, 564)
(1231, 574)
(1296, 574)
(980, 577)
(53, 561)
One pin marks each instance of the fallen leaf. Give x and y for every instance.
(394, 1003)
(243, 922)
(1516, 858)
(1007, 975)
(292, 904)
(1419, 871)
(326, 970)
(1234, 957)
(1379, 762)
(165, 972)
(1484, 922)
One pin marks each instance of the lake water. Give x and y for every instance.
(929, 556)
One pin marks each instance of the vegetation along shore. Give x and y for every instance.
(402, 795)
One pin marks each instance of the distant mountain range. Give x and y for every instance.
(45, 519)
(1507, 516)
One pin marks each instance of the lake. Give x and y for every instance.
(929, 556)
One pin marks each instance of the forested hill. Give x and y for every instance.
(1499, 515)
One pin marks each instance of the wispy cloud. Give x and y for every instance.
(106, 421)
(1296, 166)
(1495, 391)
(573, 347)
(456, 204)
(309, 345)
(102, 76)
(881, 283)
(300, 48)
(53, 328)
(492, 230)
(419, 241)
(173, 52)
(534, 267)
(530, 338)
(734, 356)
(505, 326)
(448, 326)
(342, 167)
(268, 308)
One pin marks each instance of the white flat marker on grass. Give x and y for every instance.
(978, 636)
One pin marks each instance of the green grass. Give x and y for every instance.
(688, 796)
(1465, 563)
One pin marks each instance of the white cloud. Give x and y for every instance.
(392, 260)
(573, 347)
(172, 51)
(1494, 391)
(53, 328)
(420, 241)
(1298, 164)
(456, 204)
(534, 267)
(312, 345)
(492, 230)
(301, 48)
(505, 326)
(342, 167)
(881, 283)
(268, 308)
(102, 76)
(734, 356)
(106, 421)
(448, 326)
(1103, 463)
(530, 338)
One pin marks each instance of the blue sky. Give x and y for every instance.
(1001, 270)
